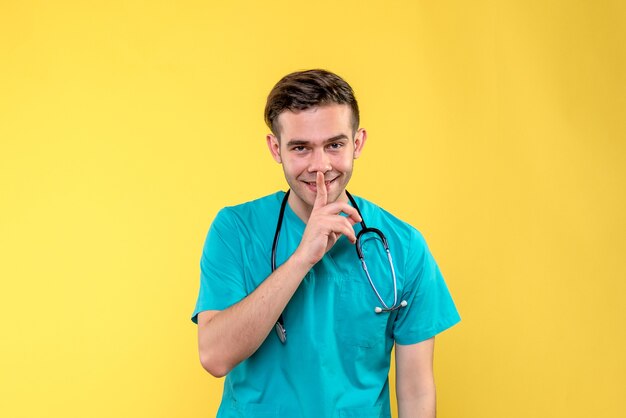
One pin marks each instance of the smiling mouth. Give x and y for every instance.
(313, 184)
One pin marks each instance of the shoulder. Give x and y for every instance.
(249, 219)
(259, 207)
(374, 214)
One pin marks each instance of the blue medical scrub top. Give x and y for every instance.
(336, 359)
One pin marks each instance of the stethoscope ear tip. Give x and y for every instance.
(378, 309)
(403, 303)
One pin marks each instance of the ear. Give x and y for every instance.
(274, 146)
(359, 142)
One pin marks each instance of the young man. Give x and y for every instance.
(289, 263)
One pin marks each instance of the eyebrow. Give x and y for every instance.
(296, 142)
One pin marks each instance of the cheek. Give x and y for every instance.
(344, 163)
(293, 167)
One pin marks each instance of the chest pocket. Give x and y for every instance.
(359, 324)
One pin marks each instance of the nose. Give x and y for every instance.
(319, 162)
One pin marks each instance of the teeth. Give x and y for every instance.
(314, 183)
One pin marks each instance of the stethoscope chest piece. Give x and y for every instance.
(281, 332)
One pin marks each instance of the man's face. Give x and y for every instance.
(312, 140)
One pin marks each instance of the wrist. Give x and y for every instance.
(301, 261)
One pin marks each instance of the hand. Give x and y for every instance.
(326, 225)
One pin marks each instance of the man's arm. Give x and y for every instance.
(225, 338)
(415, 383)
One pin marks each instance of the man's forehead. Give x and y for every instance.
(319, 121)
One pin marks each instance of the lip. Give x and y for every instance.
(312, 186)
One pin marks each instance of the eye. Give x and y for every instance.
(298, 148)
(335, 145)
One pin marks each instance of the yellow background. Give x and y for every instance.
(496, 128)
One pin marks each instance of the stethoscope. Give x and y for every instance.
(280, 324)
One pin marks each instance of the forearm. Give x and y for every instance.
(234, 334)
(420, 406)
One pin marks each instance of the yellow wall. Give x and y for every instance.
(498, 130)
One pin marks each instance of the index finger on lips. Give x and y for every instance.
(321, 198)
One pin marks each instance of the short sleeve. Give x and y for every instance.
(221, 266)
(430, 308)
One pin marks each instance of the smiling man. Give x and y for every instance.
(337, 278)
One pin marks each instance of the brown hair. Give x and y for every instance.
(306, 89)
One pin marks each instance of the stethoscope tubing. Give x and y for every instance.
(280, 323)
(359, 251)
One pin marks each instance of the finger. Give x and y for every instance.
(347, 230)
(322, 197)
(342, 207)
(341, 226)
